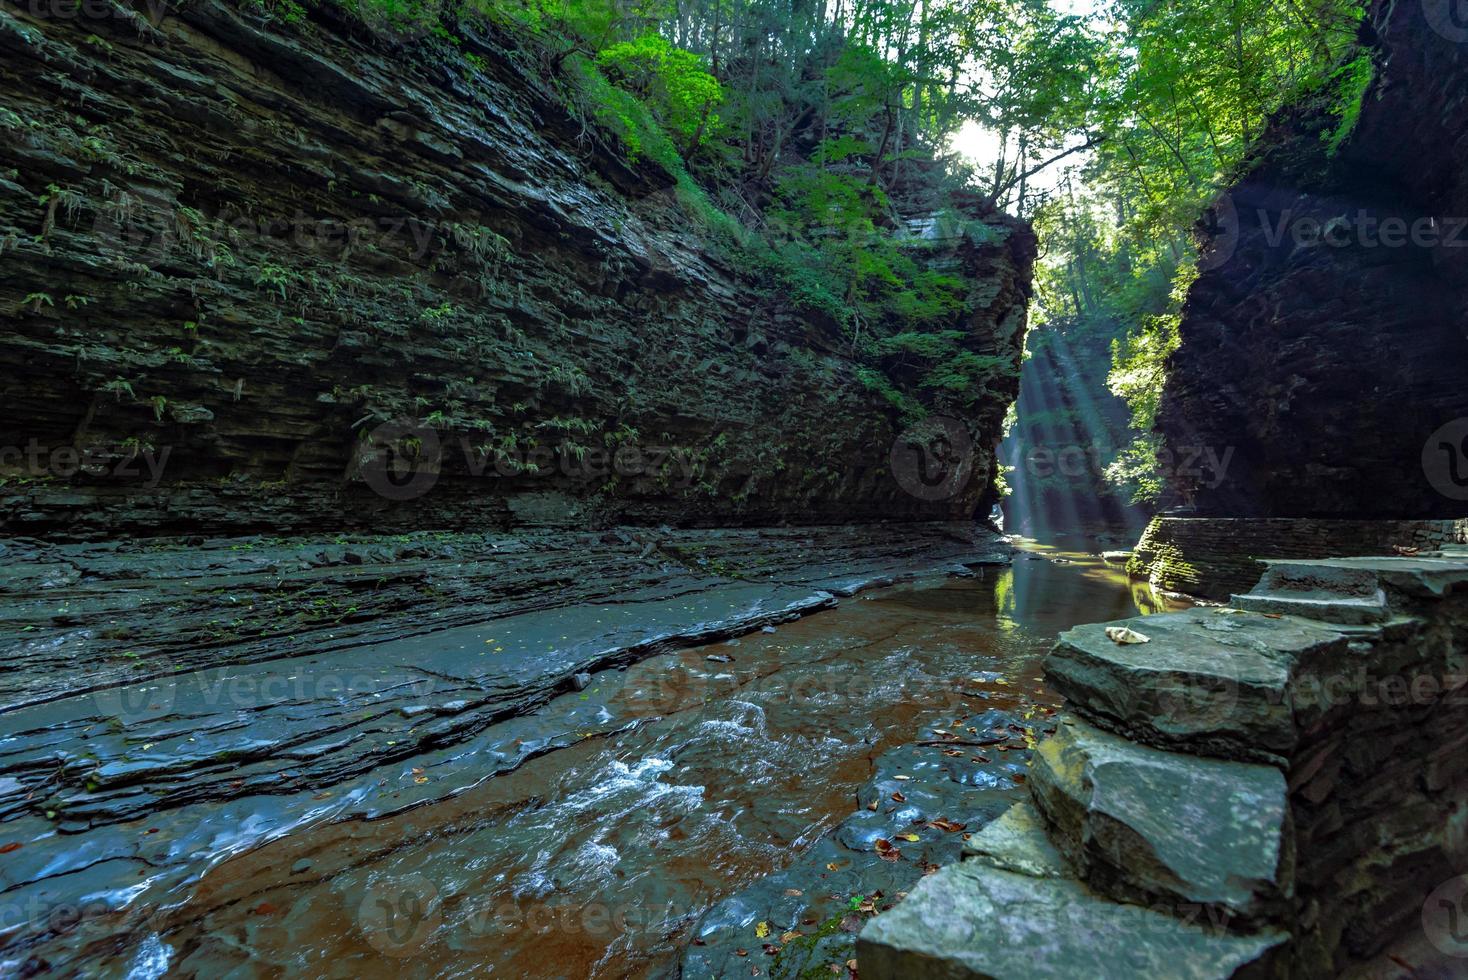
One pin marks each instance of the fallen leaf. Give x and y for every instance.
(1125, 636)
(943, 823)
(12, 846)
(420, 779)
(952, 753)
(909, 837)
(761, 930)
(872, 805)
(897, 795)
(794, 892)
(886, 851)
(789, 937)
(902, 777)
(741, 952)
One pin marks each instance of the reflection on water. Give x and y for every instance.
(596, 860)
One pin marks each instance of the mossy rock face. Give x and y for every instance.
(243, 279)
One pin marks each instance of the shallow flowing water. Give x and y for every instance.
(701, 771)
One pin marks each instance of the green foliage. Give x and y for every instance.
(673, 82)
(1181, 92)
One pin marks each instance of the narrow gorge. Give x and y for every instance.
(567, 488)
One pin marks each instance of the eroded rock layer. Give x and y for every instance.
(1271, 789)
(235, 247)
(1324, 344)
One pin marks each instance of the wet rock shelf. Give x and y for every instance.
(1250, 793)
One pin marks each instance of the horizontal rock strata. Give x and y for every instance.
(249, 261)
(344, 664)
(1245, 793)
(1215, 557)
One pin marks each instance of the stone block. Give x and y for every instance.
(1141, 824)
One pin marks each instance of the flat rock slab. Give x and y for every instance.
(315, 721)
(971, 920)
(1212, 681)
(1151, 826)
(1420, 576)
(133, 779)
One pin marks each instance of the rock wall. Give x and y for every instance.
(1324, 342)
(1273, 790)
(1216, 557)
(235, 248)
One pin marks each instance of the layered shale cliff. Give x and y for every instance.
(251, 265)
(1324, 343)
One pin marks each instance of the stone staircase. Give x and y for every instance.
(1231, 798)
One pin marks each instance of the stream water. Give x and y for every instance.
(729, 763)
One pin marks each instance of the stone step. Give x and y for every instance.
(1209, 681)
(1348, 612)
(1143, 825)
(972, 920)
(1019, 841)
(1313, 590)
(1318, 579)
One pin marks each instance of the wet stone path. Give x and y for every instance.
(734, 809)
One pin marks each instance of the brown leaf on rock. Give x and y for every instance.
(943, 823)
(897, 795)
(886, 850)
(12, 846)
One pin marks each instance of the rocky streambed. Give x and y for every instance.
(606, 753)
